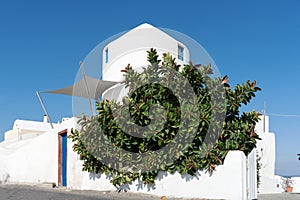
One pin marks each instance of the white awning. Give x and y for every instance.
(87, 88)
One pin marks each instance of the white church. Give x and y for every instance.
(39, 152)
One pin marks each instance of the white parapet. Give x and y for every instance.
(27, 129)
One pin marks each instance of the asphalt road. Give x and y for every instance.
(21, 192)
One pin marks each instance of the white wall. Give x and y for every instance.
(227, 182)
(270, 185)
(33, 160)
(296, 186)
(266, 150)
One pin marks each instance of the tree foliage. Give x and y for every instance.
(236, 132)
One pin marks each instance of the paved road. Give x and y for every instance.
(283, 196)
(18, 192)
(21, 192)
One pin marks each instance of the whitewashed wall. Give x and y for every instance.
(227, 182)
(32, 160)
(296, 186)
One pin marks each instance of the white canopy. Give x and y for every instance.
(87, 87)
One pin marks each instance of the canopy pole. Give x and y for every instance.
(87, 89)
(44, 108)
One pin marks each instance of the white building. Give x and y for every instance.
(48, 157)
(132, 48)
(270, 183)
(266, 151)
(26, 129)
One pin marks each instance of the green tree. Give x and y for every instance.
(236, 132)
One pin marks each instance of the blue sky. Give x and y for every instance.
(42, 43)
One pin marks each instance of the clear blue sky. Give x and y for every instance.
(42, 43)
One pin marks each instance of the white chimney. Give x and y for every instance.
(46, 120)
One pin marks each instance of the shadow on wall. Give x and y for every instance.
(126, 187)
(5, 178)
(140, 186)
(185, 177)
(94, 176)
